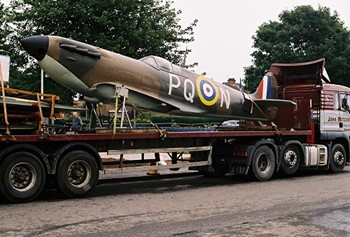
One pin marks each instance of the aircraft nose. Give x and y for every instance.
(36, 46)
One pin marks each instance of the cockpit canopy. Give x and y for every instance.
(161, 64)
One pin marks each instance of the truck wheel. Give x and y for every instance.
(77, 174)
(263, 163)
(290, 160)
(22, 177)
(337, 159)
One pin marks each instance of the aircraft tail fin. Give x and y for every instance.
(266, 95)
(267, 88)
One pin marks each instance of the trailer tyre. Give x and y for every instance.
(337, 159)
(290, 160)
(77, 174)
(22, 177)
(263, 164)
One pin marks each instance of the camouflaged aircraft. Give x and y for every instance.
(153, 83)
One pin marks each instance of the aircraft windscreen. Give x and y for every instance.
(150, 61)
(162, 64)
(157, 62)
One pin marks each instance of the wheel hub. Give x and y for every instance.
(22, 177)
(263, 164)
(79, 173)
(338, 158)
(290, 158)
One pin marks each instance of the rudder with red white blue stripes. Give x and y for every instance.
(267, 88)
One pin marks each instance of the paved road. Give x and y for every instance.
(308, 204)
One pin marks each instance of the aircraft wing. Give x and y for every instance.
(34, 105)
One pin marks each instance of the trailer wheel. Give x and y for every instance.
(263, 163)
(290, 160)
(337, 159)
(77, 174)
(22, 177)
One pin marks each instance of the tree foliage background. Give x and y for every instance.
(135, 28)
(302, 34)
(3, 30)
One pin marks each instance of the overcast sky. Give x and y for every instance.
(223, 35)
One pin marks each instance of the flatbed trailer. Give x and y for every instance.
(73, 161)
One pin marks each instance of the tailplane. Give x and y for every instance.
(266, 95)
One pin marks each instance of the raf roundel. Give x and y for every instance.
(207, 91)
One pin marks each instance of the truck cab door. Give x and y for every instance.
(344, 112)
(330, 118)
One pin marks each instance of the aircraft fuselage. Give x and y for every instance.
(154, 83)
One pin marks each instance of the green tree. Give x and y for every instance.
(4, 48)
(135, 28)
(302, 34)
